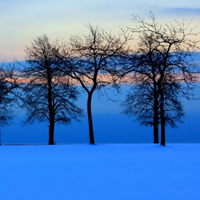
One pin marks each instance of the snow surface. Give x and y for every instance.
(100, 172)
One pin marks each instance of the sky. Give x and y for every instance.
(21, 21)
(110, 125)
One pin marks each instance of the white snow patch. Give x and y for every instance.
(100, 172)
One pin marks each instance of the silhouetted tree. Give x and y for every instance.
(142, 103)
(165, 56)
(92, 61)
(47, 95)
(8, 85)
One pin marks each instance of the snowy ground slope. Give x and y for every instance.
(100, 172)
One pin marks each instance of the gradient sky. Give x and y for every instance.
(23, 20)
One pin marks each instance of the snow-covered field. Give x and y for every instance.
(100, 172)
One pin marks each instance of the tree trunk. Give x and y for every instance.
(162, 120)
(155, 125)
(90, 123)
(156, 117)
(51, 133)
(155, 132)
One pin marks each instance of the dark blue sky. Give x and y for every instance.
(109, 125)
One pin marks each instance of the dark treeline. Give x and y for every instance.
(156, 58)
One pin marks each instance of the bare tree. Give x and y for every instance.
(92, 61)
(47, 95)
(165, 56)
(142, 103)
(8, 86)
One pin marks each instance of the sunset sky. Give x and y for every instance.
(23, 20)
